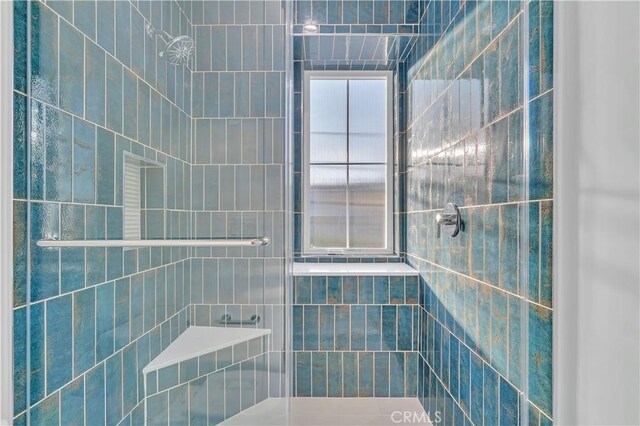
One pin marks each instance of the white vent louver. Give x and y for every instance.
(131, 198)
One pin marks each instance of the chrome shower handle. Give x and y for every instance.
(450, 219)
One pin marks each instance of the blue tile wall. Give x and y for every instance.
(237, 180)
(464, 144)
(95, 90)
(337, 326)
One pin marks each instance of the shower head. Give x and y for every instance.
(178, 50)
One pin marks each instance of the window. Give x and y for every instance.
(347, 163)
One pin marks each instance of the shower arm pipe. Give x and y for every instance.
(220, 242)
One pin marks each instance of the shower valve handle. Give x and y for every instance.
(449, 218)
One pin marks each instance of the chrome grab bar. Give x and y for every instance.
(227, 320)
(221, 242)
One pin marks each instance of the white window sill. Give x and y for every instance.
(352, 269)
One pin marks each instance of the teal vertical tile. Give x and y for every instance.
(215, 383)
(490, 395)
(499, 331)
(509, 236)
(541, 147)
(365, 290)
(546, 45)
(411, 360)
(509, 403)
(374, 328)
(105, 25)
(113, 381)
(546, 253)
(498, 181)
(37, 154)
(84, 323)
(129, 378)
(358, 327)
(123, 33)
(319, 290)
(454, 372)
(232, 390)
(158, 409)
(20, 23)
(84, 147)
(515, 157)
(130, 104)
(515, 341)
(105, 308)
(491, 245)
(47, 411)
(19, 146)
(334, 374)
(95, 396)
(198, 401)
(350, 379)
(72, 403)
(84, 17)
(465, 379)
(105, 168)
(44, 54)
(397, 370)
(349, 289)
(326, 324)
(137, 305)
(149, 300)
(71, 78)
(534, 47)
(95, 83)
(39, 357)
(405, 327)
(396, 290)
(510, 76)
(389, 325)
(303, 373)
(311, 327)
(138, 34)
(381, 290)
(19, 360)
(342, 327)
(318, 374)
(334, 292)
(121, 316)
(113, 113)
(476, 389)
(59, 342)
(58, 162)
(540, 358)
(365, 374)
(382, 374)
(179, 405)
(298, 327)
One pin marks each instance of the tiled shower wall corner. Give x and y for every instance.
(465, 144)
(88, 320)
(355, 336)
(238, 166)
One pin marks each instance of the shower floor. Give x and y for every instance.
(333, 411)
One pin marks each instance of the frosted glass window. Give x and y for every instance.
(347, 168)
(328, 121)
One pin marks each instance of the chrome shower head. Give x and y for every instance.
(178, 50)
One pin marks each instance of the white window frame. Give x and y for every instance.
(388, 248)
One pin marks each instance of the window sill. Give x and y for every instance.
(333, 269)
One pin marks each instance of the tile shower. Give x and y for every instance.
(465, 328)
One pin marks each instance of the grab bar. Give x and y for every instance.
(226, 319)
(254, 242)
